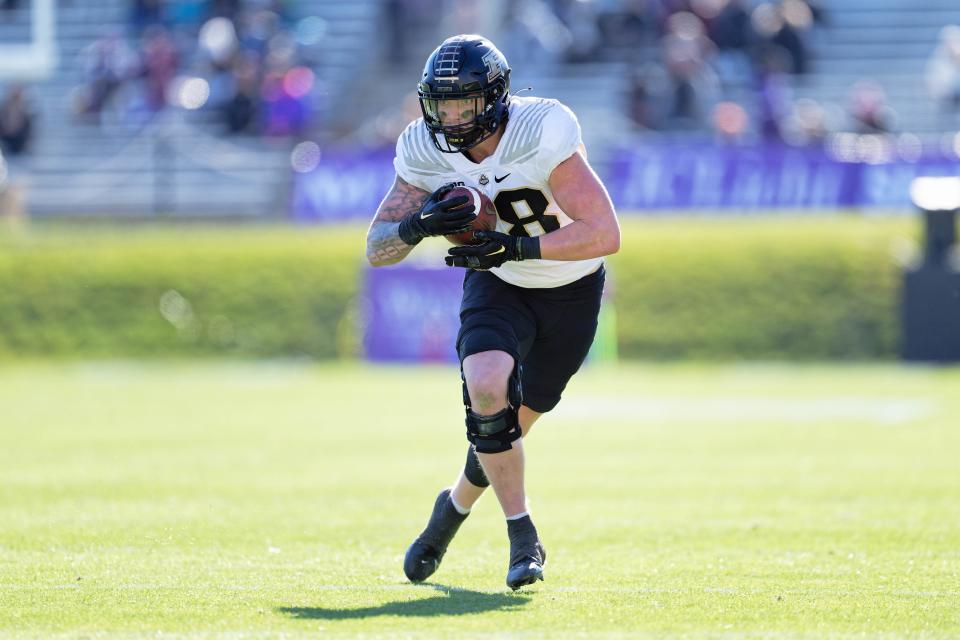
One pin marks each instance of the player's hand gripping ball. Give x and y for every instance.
(486, 219)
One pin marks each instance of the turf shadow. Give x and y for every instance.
(451, 602)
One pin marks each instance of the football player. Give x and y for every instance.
(532, 288)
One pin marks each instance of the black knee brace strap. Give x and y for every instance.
(473, 471)
(494, 434)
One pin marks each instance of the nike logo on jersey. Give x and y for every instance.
(499, 180)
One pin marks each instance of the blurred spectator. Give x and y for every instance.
(817, 12)
(647, 96)
(694, 84)
(728, 26)
(730, 122)
(785, 25)
(868, 109)
(16, 121)
(728, 22)
(256, 28)
(285, 110)
(807, 124)
(218, 42)
(241, 109)
(252, 58)
(107, 64)
(774, 95)
(159, 65)
(943, 69)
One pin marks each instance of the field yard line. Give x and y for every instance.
(738, 409)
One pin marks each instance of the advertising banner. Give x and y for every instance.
(749, 179)
(345, 185)
(660, 177)
(410, 313)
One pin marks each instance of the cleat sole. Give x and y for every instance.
(522, 581)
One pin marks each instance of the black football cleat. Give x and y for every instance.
(424, 555)
(527, 555)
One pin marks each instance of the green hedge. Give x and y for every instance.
(808, 288)
(185, 291)
(778, 289)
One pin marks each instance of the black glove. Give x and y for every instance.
(437, 217)
(498, 248)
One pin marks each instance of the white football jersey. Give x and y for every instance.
(540, 134)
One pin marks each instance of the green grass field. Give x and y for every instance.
(240, 500)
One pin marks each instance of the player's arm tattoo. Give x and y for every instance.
(384, 245)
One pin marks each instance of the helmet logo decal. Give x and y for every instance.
(448, 60)
(493, 65)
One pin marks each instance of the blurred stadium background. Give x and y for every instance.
(244, 109)
(759, 114)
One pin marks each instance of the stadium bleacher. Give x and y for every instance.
(889, 42)
(178, 164)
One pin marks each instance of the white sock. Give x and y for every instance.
(518, 516)
(461, 510)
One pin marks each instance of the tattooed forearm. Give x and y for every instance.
(402, 199)
(384, 245)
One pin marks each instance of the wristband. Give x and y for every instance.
(528, 248)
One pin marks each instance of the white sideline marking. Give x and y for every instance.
(687, 409)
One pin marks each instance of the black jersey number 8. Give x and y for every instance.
(526, 210)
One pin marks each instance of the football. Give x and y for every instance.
(486, 219)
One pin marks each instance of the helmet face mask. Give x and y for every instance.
(464, 92)
(456, 119)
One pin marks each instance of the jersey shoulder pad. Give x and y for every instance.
(540, 126)
(418, 155)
